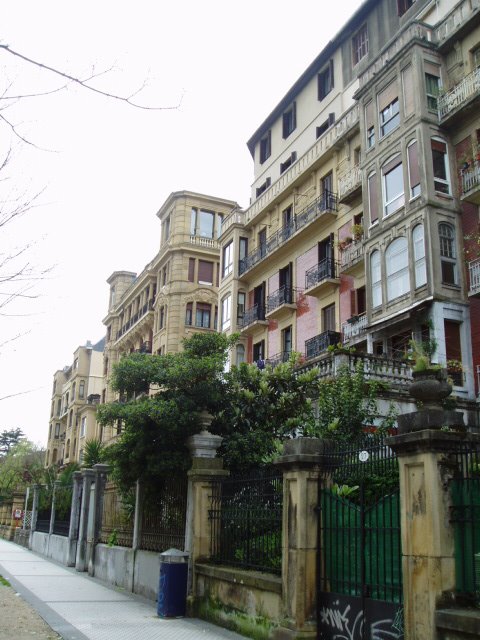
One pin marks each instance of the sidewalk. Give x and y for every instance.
(80, 608)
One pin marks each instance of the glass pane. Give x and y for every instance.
(206, 224)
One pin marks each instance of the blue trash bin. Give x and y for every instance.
(172, 587)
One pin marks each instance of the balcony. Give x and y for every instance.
(278, 358)
(471, 183)
(148, 306)
(350, 184)
(455, 22)
(459, 96)
(281, 303)
(145, 348)
(322, 278)
(253, 320)
(319, 344)
(208, 243)
(354, 327)
(351, 258)
(348, 122)
(319, 208)
(474, 278)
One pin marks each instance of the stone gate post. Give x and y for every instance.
(88, 477)
(74, 518)
(33, 522)
(95, 517)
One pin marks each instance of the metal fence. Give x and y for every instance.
(246, 518)
(44, 509)
(117, 518)
(163, 518)
(465, 516)
(63, 506)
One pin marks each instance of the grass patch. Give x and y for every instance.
(4, 582)
(254, 627)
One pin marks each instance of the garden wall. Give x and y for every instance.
(51, 546)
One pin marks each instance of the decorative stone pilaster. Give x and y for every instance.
(301, 471)
(74, 518)
(427, 535)
(88, 477)
(56, 484)
(95, 519)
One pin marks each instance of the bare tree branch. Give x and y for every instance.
(89, 87)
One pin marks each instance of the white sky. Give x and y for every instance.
(108, 167)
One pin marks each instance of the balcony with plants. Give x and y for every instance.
(352, 251)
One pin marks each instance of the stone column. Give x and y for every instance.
(33, 524)
(95, 519)
(428, 561)
(137, 521)
(74, 518)
(301, 472)
(88, 477)
(56, 484)
(206, 470)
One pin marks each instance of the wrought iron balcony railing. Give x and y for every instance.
(284, 295)
(254, 314)
(319, 344)
(324, 270)
(468, 87)
(327, 202)
(471, 176)
(148, 306)
(278, 358)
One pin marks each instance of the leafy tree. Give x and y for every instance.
(347, 405)
(23, 465)
(9, 438)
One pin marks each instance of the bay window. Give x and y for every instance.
(376, 279)
(418, 239)
(396, 264)
(393, 188)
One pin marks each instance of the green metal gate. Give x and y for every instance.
(359, 593)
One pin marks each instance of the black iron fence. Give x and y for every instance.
(44, 512)
(246, 517)
(465, 516)
(164, 517)
(63, 507)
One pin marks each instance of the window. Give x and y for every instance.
(288, 162)
(81, 389)
(240, 354)
(326, 125)
(226, 312)
(432, 85)
(376, 278)
(262, 242)
(205, 272)
(259, 351)
(57, 430)
(191, 269)
(188, 313)
(74, 390)
(202, 315)
(166, 229)
(413, 169)
(242, 248)
(201, 223)
(453, 344)
(161, 318)
(419, 255)
(396, 262)
(241, 300)
(219, 224)
(164, 275)
(286, 342)
(360, 44)
(476, 58)
(441, 173)
(265, 147)
(83, 426)
(263, 187)
(393, 189)
(404, 5)
(325, 81)
(328, 318)
(228, 259)
(389, 118)
(289, 120)
(373, 197)
(448, 254)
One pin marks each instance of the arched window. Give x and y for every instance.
(419, 255)
(396, 261)
(376, 278)
(448, 253)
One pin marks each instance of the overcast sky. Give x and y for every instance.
(102, 169)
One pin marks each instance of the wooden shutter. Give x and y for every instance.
(205, 272)
(191, 269)
(387, 96)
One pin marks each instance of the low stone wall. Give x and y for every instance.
(136, 571)
(458, 624)
(249, 602)
(7, 532)
(22, 537)
(51, 546)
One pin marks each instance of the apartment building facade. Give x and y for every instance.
(355, 229)
(76, 392)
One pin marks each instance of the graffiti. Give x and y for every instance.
(342, 618)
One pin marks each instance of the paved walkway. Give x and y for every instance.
(81, 608)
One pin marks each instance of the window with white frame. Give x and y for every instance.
(241, 301)
(396, 265)
(81, 389)
(413, 169)
(83, 427)
(227, 259)
(418, 239)
(240, 354)
(376, 279)
(389, 117)
(441, 171)
(360, 44)
(226, 312)
(393, 187)
(433, 84)
(448, 253)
